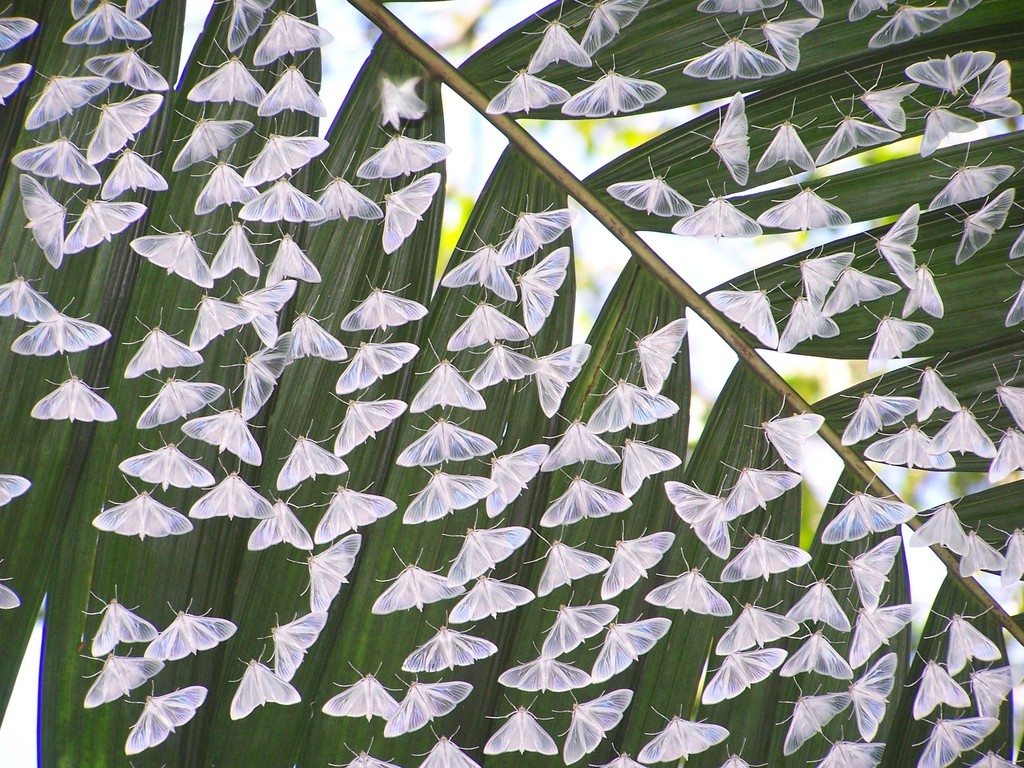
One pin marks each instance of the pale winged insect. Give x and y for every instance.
(613, 94)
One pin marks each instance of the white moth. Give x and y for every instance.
(1012, 399)
(120, 625)
(246, 16)
(592, 720)
(607, 19)
(681, 738)
(845, 753)
(228, 431)
(810, 715)
(224, 186)
(8, 598)
(485, 325)
(539, 287)
(58, 159)
(161, 715)
(75, 401)
(229, 83)
(372, 362)
(291, 262)
(784, 38)
(863, 515)
(980, 226)
(736, 6)
(525, 92)
(399, 102)
(291, 92)
(805, 322)
(924, 295)
(970, 183)
(739, 671)
(613, 94)
(583, 500)
(731, 141)
(1014, 556)
(893, 337)
(366, 698)
(993, 97)
(259, 686)
(128, 68)
(330, 569)
(178, 253)
(521, 733)
(575, 624)
(897, 245)
(991, 687)
(853, 133)
(980, 555)
(482, 268)
(176, 400)
(104, 23)
(343, 201)
(61, 96)
(754, 488)
(544, 674)
(579, 444)
(283, 202)
(292, 640)
(531, 231)
(641, 461)
(207, 139)
(166, 467)
(138, 8)
(445, 493)
(511, 474)
(940, 123)
(942, 527)
(445, 441)
(951, 738)
(424, 702)
(489, 597)
(690, 591)
(652, 196)
(308, 460)
(119, 677)
(557, 44)
(1009, 458)
(870, 570)
(657, 351)
(631, 561)
(11, 78)
(786, 147)
(289, 34)
(934, 394)
(309, 339)
(447, 388)
(131, 172)
(564, 564)
(214, 318)
(403, 156)
(100, 221)
(14, 29)
(963, 434)
(448, 649)
(349, 510)
(382, 310)
(908, 447)
(281, 156)
(751, 310)
(263, 306)
(861, 8)
(483, 549)
(870, 695)
(819, 604)
(188, 634)
(966, 643)
(705, 514)
(260, 373)
(626, 643)
(58, 333)
(907, 23)
(805, 210)
(404, 208)
(887, 104)
(283, 526)
(502, 364)
(874, 629)
(555, 371)
(415, 587)
(754, 626)
(951, 73)
(232, 498)
(12, 486)
(734, 60)
(142, 516)
(762, 557)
